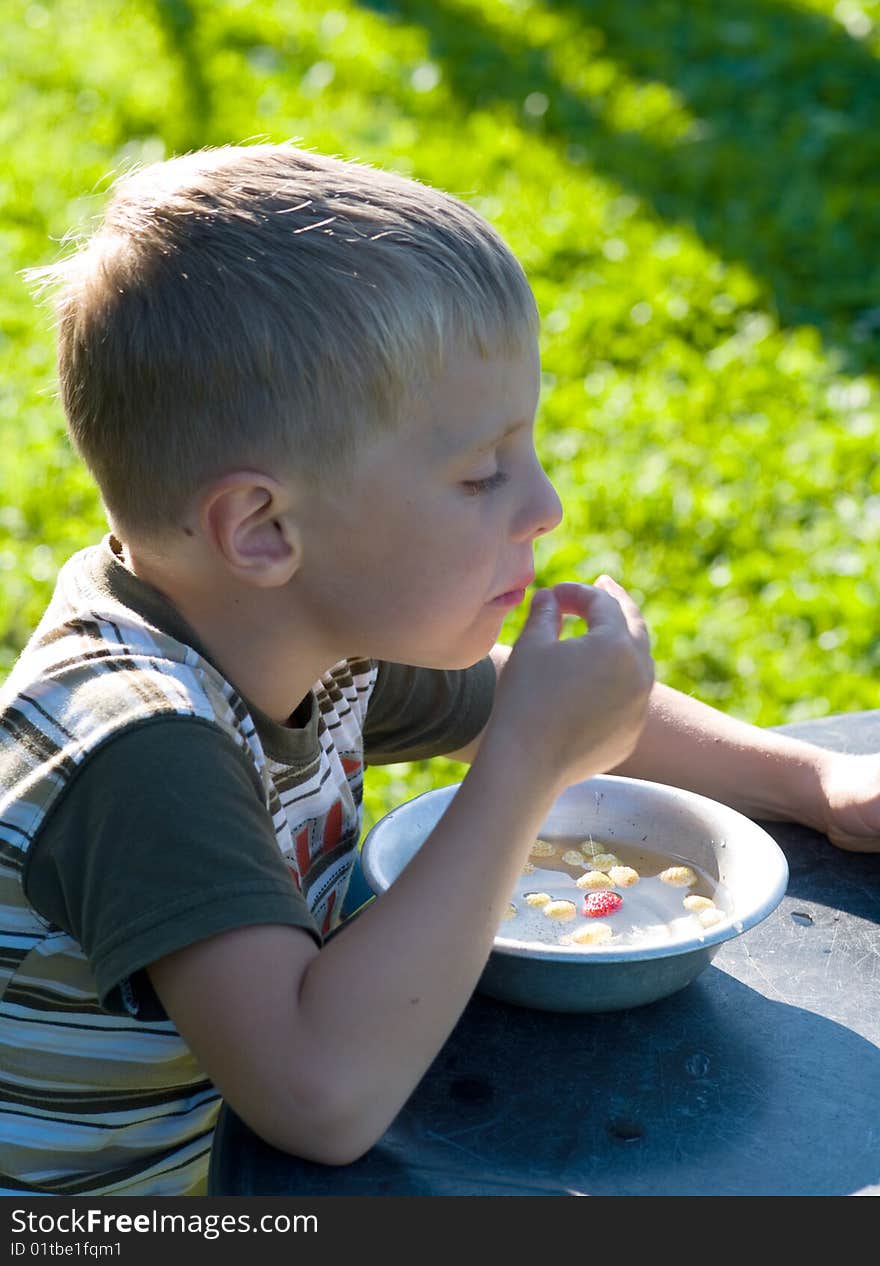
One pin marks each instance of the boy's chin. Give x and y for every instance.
(469, 655)
(472, 646)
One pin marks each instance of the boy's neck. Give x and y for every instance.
(251, 636)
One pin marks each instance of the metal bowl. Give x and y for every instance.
(729, 847)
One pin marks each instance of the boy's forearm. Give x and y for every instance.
(763, 774)
(382, 997)
(318, 1049)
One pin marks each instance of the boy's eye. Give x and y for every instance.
(476, 486)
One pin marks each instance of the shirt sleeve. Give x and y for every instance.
(415, 713)
(160, 840)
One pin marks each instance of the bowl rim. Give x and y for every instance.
(734, 925)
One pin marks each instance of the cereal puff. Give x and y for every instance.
(704, 908)
(594, 880)
(695, 903)
(603, 861)
(563, 910)
(537, 898)
(623, 876)
(678, 876)
(542, 848)
(592, 934)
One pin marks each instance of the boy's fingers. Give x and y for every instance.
(609, 584)
(545, 618)
(544, 608)
(606, 603)
(630, 608)
(588, 602)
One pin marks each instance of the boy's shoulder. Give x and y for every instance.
(97, 663)
(112, 652)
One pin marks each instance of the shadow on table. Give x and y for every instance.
(716, 1090)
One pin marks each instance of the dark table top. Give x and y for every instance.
(761, 1077)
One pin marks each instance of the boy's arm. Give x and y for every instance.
(760, 772)
(763, 774)
(319, 1048)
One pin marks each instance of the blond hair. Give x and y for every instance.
(263, 303)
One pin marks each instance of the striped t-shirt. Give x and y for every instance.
(145, 805)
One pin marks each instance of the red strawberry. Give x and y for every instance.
(604, 902)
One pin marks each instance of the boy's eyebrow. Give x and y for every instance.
(498, 439)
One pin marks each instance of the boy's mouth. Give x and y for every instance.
(510, 599)
(513, 597)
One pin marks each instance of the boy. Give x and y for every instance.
(306, 390)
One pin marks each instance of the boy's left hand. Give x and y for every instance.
(850, 786)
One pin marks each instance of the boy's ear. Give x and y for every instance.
(248, 519)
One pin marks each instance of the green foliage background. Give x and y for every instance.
(693, 187)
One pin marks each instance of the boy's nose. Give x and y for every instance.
(542, 512)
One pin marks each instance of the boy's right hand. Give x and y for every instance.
(576, 707)
(318, 1049)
